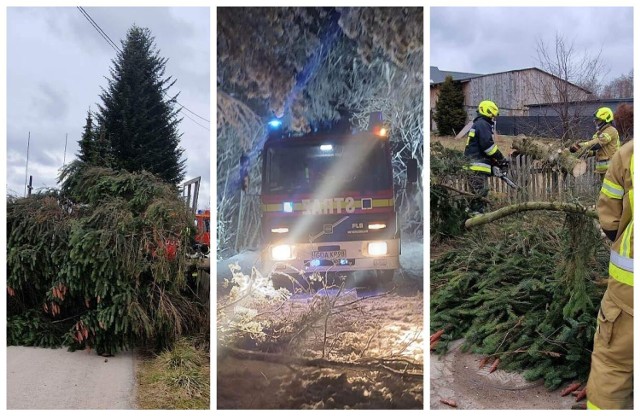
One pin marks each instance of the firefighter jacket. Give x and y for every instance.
(615, 211)
(480, 148)
(605, 143)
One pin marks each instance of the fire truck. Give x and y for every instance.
(328, 203)
(203, 230)
(190, 193)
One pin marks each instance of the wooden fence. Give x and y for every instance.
(542, 183)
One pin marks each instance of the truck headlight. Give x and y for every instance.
(282, 252)
(377, 226)
(377, 248)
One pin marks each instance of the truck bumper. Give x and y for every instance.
(343, 256)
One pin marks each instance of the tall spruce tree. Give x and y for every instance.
(87, 142)
(103, 154)
(450, 116)
(139, 121)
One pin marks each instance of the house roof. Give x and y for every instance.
(601, 100)
(438, 76)
(544, 72)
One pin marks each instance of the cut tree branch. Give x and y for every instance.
(551, 154)
(287, 359)
(464, 193)
(529, 206)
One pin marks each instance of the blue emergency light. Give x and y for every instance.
(275, 123)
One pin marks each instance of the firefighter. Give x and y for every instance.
(483, 154)
(604, 143)
(610, 384)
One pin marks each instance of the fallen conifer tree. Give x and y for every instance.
(447, 204)
(526, 293)
(100, 264)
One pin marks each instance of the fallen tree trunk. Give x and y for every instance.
(529, 206)
(551, 155)
(410, 369)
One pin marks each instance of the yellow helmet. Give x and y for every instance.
(488, 109)
(604, 114)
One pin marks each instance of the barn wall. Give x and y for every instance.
(586, 109)
(512, 91)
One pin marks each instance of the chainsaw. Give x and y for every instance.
(496, 171)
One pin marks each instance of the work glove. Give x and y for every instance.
(574, 147)
(503, 164)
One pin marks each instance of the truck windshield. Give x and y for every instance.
(330, 166)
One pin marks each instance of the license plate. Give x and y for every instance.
(329, 255)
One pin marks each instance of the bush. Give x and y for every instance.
(450, 116)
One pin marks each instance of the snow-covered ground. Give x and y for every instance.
(386, 326)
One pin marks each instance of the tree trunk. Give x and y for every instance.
(551, 154)
(529, 206)
(409, 369)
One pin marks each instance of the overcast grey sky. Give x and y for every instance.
(57, 63)
(488, 40)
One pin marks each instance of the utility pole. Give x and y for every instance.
(26, 169)
(64, 158)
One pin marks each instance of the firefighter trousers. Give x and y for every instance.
(610, 384)
(479, 185)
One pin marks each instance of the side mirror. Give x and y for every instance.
(412, 171)
(375, 121)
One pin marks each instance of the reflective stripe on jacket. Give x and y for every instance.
(481, 149)
(615, 211)
(609, 141)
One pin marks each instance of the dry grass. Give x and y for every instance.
(175, 379)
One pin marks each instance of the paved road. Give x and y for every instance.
(40, 378)
(456, 376)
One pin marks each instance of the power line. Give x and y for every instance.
(115, 47)
(98, 29)
(26, 169)
(204, 127)
(177, 102)
(102, 32)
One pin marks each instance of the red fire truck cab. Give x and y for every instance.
(203, 231)
(328, 204)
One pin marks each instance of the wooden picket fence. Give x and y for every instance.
(542, 183)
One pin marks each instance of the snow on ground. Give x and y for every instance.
(388, 326)
(383, 325)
